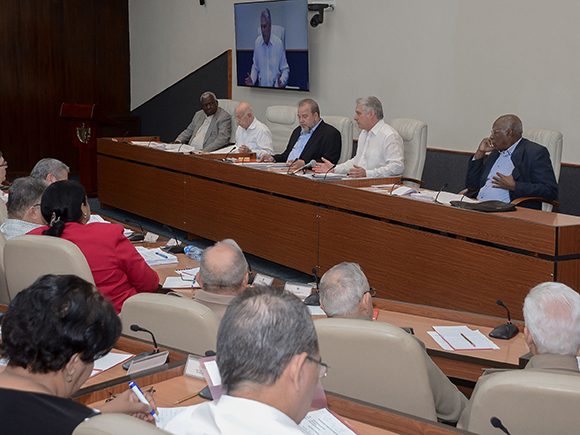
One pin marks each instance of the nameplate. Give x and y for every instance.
(261, 279)
(193, 367)
(148, 362)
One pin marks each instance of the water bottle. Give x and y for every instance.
(193, 252)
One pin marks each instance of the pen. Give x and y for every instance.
(135, 388)
(469, 341)
(161, 255)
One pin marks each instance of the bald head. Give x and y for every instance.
(344, 292)
(244, 115)
(223, 268)
(506, 130)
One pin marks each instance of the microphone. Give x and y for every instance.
(314, 297)
(135, 237)
(308, 165)
(316, 277)
(175, 249)
(496, 422)
(136, 328)
(290, 166)
(225, 159)
(436, 200)
(507, 330)
(329, 169)
(393, 187)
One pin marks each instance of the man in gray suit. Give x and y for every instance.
(210, 127)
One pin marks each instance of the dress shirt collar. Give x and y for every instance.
(252, 126)
(377, 127)
(511, 149)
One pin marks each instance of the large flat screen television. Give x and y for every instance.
(272, 44)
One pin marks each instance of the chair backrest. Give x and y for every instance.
(414, 134)
(281, 120)
(116, 424)
(377, 363)
(4, 295)
(3, 211)
(230, 107)
(551, 139)
(176, 322)
(344, 125)
(527, 402)
(27, 258)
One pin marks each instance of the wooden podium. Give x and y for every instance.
(83, 131)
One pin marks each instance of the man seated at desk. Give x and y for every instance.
(223, 274)
(514, 167)
(380, 147)
(268, 358)
(552, 333)
(345, 292)
(313, 139)
(50, 170)
(23, 207)
(210, 127)
(251, 134)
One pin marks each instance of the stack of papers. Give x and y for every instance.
(156, 257)
(179, 282)
(300, 290)
(109, 360)
(322, 421)
(95, 218)
(460, 338)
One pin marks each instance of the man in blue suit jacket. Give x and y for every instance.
(514, 168)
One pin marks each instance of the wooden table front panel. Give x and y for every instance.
(410, 265)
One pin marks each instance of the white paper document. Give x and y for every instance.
(109, 360)
(213, 372)
(188, 274)
(315, 310)
(463, 338)
(323, 422)
(300, 290)
(261, 279)
(165, 415)
(178, 282)
(156, 257)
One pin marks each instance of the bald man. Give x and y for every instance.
(506, 166)
(223, 274)
(251, 134)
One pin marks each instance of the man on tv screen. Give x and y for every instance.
(269, 68)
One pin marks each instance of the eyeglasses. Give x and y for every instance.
(372, 291)
(322, 367)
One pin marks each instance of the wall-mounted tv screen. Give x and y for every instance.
(272, 44)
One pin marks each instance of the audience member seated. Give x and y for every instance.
(514, 167)
(51, 334)
(251, 134)
(380, 147)
(118, 269)
(345, 292)
(23, 207)
(223, 274)
(50, 170)
(313, 139)
(267, 354)
(210, 128)
(552, 333)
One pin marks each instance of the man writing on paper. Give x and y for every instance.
(210, 127)
(270, 68)
(380, 147)
(223, 274)
(251, 134)
(515, 167)
(268, 358)
(345, 292)
(552, 333)
(313, 139)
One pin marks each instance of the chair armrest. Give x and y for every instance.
(518, 201)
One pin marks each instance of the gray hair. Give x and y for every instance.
(262, 329)
(207, 94)
(25, 192)
(552, 316)
(314, 108)
(47, 166)
(228, 273)
(342, 288)
(371, 103)
(266, 14)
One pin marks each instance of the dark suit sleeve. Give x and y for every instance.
(293, 138)
(474, 171)
(331, 145)
(542, 181)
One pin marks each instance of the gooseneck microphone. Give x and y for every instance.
(329, 169)
(436, 200)
(136, 237)
(178, 247)
(496, 422)
(136, 328)
(225, 159)
(309, 165)
(507, 330)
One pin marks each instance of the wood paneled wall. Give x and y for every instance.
(56, 51)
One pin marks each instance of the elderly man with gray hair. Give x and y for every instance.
(210, 127)
(223, 274)
(345, 293)
(269, 361)
(380, 147)
(23, 207)
(552, 333)
(50, 170)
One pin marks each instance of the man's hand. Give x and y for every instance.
(298, 163)
(485, 146)
(503, 181)
(357, 172)
(266, 158)
(244, 149)
(324, 167)
(128, 403)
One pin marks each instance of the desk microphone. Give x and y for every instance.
(329, 169)
(496, 422)
(225, 159)
(290, 166)
(436, 200)
(175, 249)
(135, 237)
(136, 328)
(314, 297)
(507, 330)
(309, 165)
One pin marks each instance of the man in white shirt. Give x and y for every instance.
(50, 170)
(251, 134)
(380, 147)
(23, 207)
(269, 362)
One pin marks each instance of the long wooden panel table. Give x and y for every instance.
(413, 251)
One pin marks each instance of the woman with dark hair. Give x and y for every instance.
(118, 269)
(51, 334)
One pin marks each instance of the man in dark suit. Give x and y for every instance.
(312, 140)
(514, 167)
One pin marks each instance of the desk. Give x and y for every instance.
(446, 257)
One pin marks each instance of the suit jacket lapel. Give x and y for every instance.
(517, 158)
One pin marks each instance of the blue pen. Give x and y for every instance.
(135, 388)
(161, 255)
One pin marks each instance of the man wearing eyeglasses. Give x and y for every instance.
(269, 362)
(345, 292)
(23, 207)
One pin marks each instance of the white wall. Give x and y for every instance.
(456, 64)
